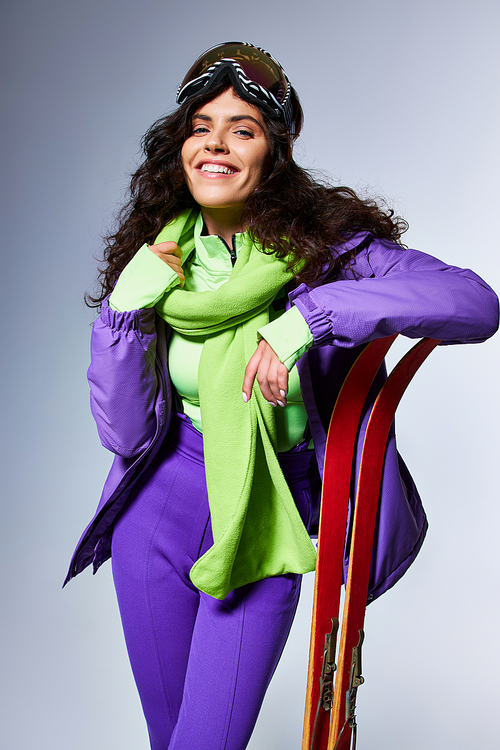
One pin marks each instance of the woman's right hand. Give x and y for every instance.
(171, 254)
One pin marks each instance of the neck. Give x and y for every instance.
(223, 222)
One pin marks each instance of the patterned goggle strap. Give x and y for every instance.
(254, 74)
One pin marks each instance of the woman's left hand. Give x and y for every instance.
(271, 374)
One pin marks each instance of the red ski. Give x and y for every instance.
(329, 722)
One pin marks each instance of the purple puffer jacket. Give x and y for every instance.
(388, 289)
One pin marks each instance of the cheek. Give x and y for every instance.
(184, 157)
(187, 154)
(262, 164)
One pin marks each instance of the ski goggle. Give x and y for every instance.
(253, 72)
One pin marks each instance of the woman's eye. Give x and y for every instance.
(200, 129)
(246, 133)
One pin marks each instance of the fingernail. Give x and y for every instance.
(245, 397)
(281, 404)
(283, 394)
(271, 403)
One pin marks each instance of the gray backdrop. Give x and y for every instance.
(401, 99)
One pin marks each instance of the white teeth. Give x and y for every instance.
(216, 168)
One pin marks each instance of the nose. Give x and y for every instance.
(215, 142)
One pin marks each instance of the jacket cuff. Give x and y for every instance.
(289, 336)
(316, 318)
(143, 281)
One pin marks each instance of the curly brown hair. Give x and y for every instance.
(290, 210)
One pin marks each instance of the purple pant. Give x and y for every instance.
(202, 666)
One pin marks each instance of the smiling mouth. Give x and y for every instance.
(217, 168)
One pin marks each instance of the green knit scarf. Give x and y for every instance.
(257, 529)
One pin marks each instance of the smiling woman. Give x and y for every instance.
(235, 295)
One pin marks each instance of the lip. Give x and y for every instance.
(217, 163)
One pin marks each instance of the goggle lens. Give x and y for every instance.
(257, 65)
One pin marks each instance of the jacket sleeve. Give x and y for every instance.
(390, 289)
(123, 378)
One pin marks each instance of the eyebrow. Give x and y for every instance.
(234, 118)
